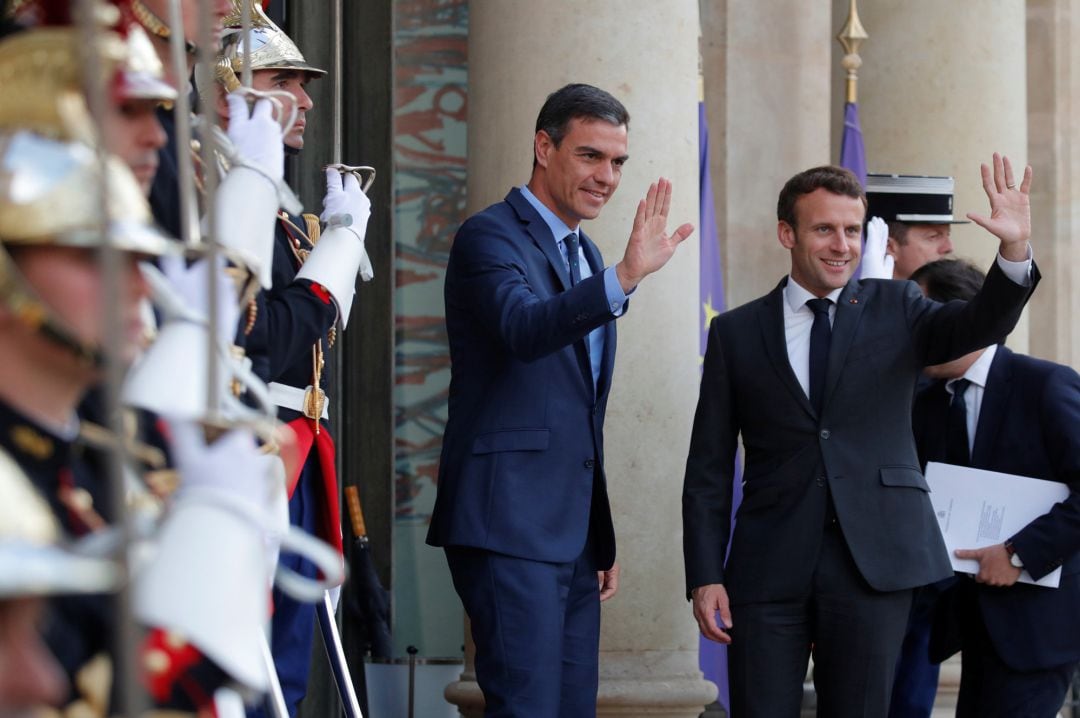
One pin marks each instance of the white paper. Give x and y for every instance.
(977, 508)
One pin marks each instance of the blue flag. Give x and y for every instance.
(712, 656)
(852, 152)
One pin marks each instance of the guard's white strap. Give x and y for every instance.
(290, 397)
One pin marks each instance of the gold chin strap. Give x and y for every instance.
(33, 313)
(154, 24)
(146, 17)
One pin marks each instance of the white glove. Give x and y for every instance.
(233, 463)
(257, 137)
(208, 581)
(876, 262)
(345, 204)
(191, 284)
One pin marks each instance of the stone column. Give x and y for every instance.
(646, 55)
(767, 79)
(942, 86)
(1053, 38)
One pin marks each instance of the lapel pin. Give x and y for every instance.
(854, 300)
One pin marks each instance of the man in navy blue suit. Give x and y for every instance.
(522, 507)
(1021, 416)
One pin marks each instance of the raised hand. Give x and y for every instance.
(345, 203)
(877, 263)
(256, 135)
(1010, 208)
(650, 247)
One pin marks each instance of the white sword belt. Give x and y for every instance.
(307, 401)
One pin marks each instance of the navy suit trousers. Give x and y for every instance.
(536, 627)
(991, 689)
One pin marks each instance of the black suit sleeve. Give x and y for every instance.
(708, 484)
(943, 332)
(1050, 540)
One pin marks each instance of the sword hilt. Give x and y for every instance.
(356, 513)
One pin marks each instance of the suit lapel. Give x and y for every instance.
(994, 407)
(607, 363)
(849, 308)
(771, 321)
(929, 422)
(540, 233)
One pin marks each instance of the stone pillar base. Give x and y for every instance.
(653, 696)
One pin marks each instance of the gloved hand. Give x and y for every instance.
(257, 136)
(345, 204)
(191, 284)
(233, 464)
(208, 581)
(876, 262)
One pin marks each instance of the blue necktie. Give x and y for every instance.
(820, 336)
(572, 244)
(956, 433)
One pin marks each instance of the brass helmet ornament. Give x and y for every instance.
(46, 200)
(43, 67)
(140, 76)
(271, 48)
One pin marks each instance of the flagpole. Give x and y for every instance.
(851, 37)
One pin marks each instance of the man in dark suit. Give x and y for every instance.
(835, 528)
(1018, 415)
(522, 505)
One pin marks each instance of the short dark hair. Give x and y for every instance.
(947, 279)
(833, 179)
(899, 230)
(576, 101)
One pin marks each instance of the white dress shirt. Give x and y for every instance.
(798, 321)
(973, 396)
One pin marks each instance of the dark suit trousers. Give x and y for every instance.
(536, 627)
(989, 688)
(853, 632)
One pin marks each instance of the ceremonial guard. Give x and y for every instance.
(204, 590)
(288, 330)
(34, 564)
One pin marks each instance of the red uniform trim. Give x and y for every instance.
(320, 291)
(330, 511)
(160, 684)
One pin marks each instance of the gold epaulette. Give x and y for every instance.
(98, 437)
(314, 227)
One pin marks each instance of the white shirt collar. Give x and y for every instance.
(796, 296)
(558, 228)
(979, 370)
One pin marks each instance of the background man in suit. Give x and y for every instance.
(835, 527)
(522, 505)
(998, 410)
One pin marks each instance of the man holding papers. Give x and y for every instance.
(1001, 411)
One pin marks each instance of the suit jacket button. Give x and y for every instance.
(825, 434)
(590, 464)
(821, 481)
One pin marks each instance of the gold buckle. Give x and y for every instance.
(314, 402)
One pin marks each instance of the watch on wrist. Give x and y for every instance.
(1014, 558)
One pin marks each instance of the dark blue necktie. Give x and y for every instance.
(956, 433)
(820, 336)
(572, 244)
